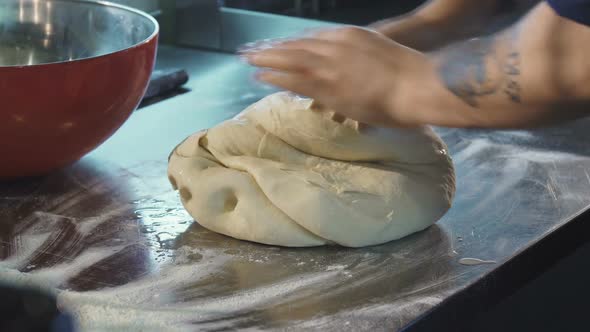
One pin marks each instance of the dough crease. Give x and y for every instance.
(282, 173)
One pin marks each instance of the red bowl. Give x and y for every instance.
(71, 73)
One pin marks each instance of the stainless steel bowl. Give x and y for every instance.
(49, 31)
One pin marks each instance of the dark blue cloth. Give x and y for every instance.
(576, 10)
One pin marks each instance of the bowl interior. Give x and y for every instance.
(47, 31)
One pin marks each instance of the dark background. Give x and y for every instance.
(359, 12)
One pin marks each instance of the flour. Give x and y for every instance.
(23, 248)
(59, 274)
(366, 318)
(138, 306)
(335, 267)
(25, 280)
(475, 261)
(143, 305)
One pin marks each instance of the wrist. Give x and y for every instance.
(421, 99)
(414, 31)
(405, 103)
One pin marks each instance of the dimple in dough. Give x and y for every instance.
(283, 173)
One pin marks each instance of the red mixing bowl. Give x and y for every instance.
(71, 73)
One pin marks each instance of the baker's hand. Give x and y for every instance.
(359, 73)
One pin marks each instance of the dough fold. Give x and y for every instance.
(282, 173)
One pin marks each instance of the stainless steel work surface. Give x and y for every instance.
(110, 236)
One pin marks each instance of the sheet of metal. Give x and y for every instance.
(109, 236)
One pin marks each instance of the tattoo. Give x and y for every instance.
(511, 68)
(482, 67)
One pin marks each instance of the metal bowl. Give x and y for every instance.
(71, 73)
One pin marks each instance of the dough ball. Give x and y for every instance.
(282, 173)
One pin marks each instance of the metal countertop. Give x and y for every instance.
(111, 235)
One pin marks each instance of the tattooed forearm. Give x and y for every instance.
(512, 70)
(481, 67)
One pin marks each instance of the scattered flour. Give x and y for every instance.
(150, 303)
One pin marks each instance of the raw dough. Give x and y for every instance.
(285, 174)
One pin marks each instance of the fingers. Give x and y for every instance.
(338, 32)
(260, 45)
(304, 54)
(295, 82)
(317, 106)
(317, 46)
(320, 41)
(310, 44)
(344, 34)
(289, 60)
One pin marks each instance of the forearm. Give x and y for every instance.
(439, 22)
(532, 74)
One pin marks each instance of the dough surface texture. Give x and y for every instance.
(283, 173)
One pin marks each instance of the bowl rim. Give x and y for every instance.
(147, 40)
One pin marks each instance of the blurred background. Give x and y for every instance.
(342, 11)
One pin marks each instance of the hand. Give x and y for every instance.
(356, 72)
